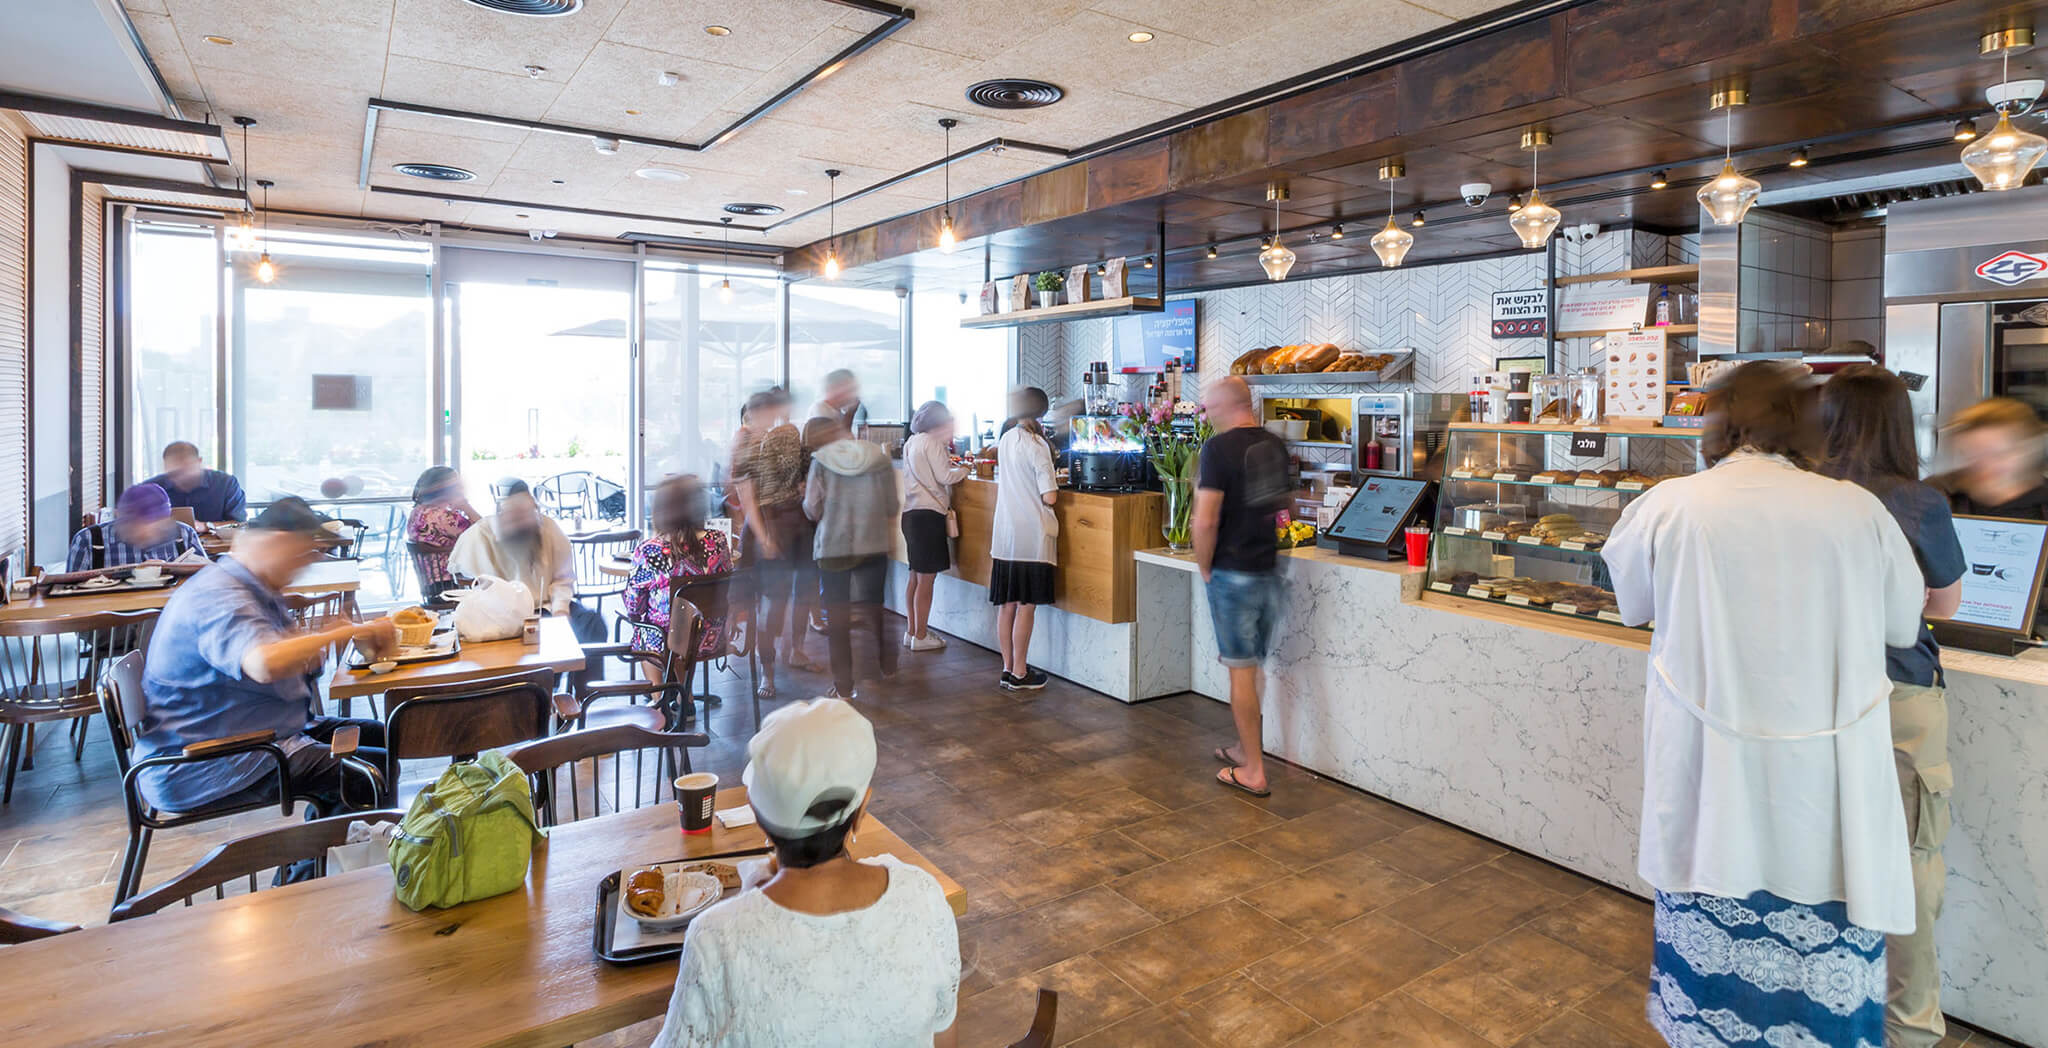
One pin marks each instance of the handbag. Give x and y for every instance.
(468, 836)
(952, 524)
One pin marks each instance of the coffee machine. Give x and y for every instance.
(1403, 434)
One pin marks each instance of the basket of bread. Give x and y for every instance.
(415, 626)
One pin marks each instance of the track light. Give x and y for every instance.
(1212, 251)
(1966, 129)
(1799, 159)
(1514, 203)
(1417, 221)
(1659, 180)
(1337, 231)
(1148, 261)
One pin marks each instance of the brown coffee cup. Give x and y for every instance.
(694, 795)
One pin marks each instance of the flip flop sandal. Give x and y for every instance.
(1229, 778)
(1222, 754)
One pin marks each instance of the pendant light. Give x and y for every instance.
(1729, 195)
(1393, 242)
(1276, 260)
(725, 285)
(946, 237)
(1535, 220)
(266, 270)
(832, 237)
(244, 236)
(2001, 159)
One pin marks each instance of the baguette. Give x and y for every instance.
(1271, 362)
(1246, 359)
(1318, 358)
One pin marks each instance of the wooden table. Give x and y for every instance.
(324, 576)
(215, 545)
(556, 651)
(338, 961)
(616, 567)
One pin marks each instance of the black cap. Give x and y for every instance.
(289, 514)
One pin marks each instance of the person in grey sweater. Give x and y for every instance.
(851, 494)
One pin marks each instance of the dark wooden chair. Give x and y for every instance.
(50, 671)
(462, 720)
(17, 928)
(542, 760)
(592, 551)
(668, 694)
(420, 555)
(123, 704)
(1041, 1033)
(247, 857)
(712, 596)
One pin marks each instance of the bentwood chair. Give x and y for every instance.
(17, 928)
(592, 551)
(423, 555)
(278, 849)
(464, 719)
(543, 760)
(1041, 1033)
(668, 673)
(49, 670)
(123, 704)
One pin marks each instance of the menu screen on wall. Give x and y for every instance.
(2003, 579)
(1146, 341)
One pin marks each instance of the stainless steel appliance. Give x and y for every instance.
(1966, 304)
(1409, 431)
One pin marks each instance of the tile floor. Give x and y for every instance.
(1101, 861)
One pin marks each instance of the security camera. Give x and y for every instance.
(1475, 193)
(535, 235)
(1581, 234)
(2014, 97)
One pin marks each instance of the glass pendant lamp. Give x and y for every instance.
(946, 238)
(1728, 196)
(1276, 260)
(1535, 220)
(2001, 159)
(1393, 242)
(831, 266)
(266, 270)
(725, 283)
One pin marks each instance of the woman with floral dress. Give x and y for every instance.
(680, 545)
(440, 514)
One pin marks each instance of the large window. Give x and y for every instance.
(705, 356)
(173, 295)
(846, 327)
(967, 369)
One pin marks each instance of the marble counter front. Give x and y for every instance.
(1528, 728)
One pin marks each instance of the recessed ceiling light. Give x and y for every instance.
(521, 214)
(221, 40)
(559, 181)
(717, 30)
(662, 174)
(1140, 37)
(798, 192)
(632, 112)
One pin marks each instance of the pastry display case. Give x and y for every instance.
(1524, 509)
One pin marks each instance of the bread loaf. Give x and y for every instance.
(1270, 363)
(1247, 359)
(1317, 358)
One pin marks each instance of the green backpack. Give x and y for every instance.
(468, 836)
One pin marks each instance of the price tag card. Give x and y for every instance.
(1528, 540)
(1630, 485)
(1462, 474)
(1494, 535)
(1454, 530)
(1440, 587)
(1611, 616)
(1568, 609)
(1507, 476)
(1518, 600)
(1572, 544)
(1594, 482)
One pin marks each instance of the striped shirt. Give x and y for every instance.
(118, 552)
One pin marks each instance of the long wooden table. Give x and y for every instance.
(339, 962)
(322, 576)
(556, 651)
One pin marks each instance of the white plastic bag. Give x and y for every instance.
(496, 609)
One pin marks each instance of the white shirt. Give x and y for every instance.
(929, 474)
(550, 574)
(756, 974)
(1024, 526)
(1767, 748)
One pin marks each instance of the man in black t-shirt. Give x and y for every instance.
(1239, 493)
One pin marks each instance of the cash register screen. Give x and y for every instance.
(1377, 510)
(2004, 573)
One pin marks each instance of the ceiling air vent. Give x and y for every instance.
(1014, 94)
(435, 172)
(752, 209)
(535, 8)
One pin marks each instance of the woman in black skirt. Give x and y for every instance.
(928, 478)
(1023, 536)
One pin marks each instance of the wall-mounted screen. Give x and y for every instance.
(1144, 342)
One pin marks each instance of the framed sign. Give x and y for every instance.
(1521, 314)
(1588, 445)
(2002, 586)
(1590, 307)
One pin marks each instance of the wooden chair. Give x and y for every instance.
(670, 706)
(592, 551)
(123, 704)
(17, 928)
(464, 719)
(541, 760)
(50, 670)
(247, 857)
(1041, 1033)
(712, 596)
(419, 554)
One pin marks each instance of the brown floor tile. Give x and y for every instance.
(1090, 998)
(75, 871)
(1334, 974)
(1183, 787)
(1097, 745)
(1297, 793)
(1608, 926)
(1151, 1028)
(1620, 1006)
(1980, 1039)
(1320, 836)
(1238, 1012)
(1035, 875)
(1324, 896)
(1198, 948)
(1205, 825)
(1083, 816)
(983, 899)
(1394, 1021)
(1555, 878)
(1577, 1030)
(1509, 987)
(1028, 940)
(1116, 854)
(1388, 812)
(1434, 851)
(1184, 885)
(1472, 908)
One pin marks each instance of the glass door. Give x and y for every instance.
(706, 353)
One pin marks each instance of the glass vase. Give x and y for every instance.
(1178, 520)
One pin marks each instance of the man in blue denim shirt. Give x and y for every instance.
(226, 659)
(1240, 489)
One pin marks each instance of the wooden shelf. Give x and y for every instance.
(1646, 275)
(1108, 307)
(1669, 329)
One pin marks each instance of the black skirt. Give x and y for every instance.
(924, 541)
(1019, 582)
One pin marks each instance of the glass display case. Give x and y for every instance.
(1523, 510)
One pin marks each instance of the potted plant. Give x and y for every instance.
(1048, 285)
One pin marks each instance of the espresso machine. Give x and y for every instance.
(1404, 434)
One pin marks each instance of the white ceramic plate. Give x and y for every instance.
(99, 582)
(686, 896)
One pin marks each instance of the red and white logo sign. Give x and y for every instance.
(2013, 267)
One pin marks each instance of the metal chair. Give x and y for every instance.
(122, 702)
(49, 669)
(711, 594)
(541, 760)
(464, 719)
(571, 494)
(592, 551)
(669, 707)
(17, 928)
(350, 548)
(248, 856)
(422, 555)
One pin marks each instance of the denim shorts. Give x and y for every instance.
(1245, 606)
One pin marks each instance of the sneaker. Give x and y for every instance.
(1032, 680)
(928, 642)
(906, 639)
(1007, 682)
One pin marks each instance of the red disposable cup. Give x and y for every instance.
(694, 794)
(1418, 546)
